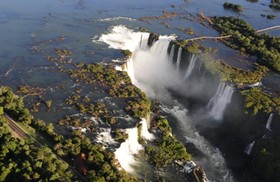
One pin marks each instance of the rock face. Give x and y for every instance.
(152, 39)
(193, 172)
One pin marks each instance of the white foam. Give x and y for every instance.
(120, 37)
(144, 131)
(268, 123)
(217, 104)
(258, 84)
(249, 148)
(105, 137)
(125, 153)
(215, 156)
(116, 18)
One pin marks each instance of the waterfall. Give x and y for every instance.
(144, 131)
(256, 84)
(219, 101)
(200, 67)
(179, 56)
(140, 44)
(129, 68)
(190, 67)
(171, 55)
(155, 73)
(125, 153)
(249, 148)
(104, 137)
(216, 159)
(268, 123)
(159, 48)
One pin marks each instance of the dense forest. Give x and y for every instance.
(246, 39)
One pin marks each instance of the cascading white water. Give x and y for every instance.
(125, 153)
(268, 123)
(190, 67)
(129, 68)
(249, 148)
(215, 156)
(104, 137)
(171, 55)
(200, 67)
(179, 56)
(123, 38)
(154, 72)
(144, 131)
(256, 84)
(219, 101)
(216, 162)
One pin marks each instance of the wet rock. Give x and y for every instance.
(152, 38)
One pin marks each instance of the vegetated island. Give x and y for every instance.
(245, 39)
(93, 161)
(234, 7)
(275, 4)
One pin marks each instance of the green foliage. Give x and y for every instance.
(257, 100)
(13, 105)
(138, 107)
(275, 6)
(166, 148)
(1, 110)
(246, 39)
(237, 75)
(270, 17)
(120, 135)
(266, 161)
(232, 6)
(49, 104)
(24, 161)
(128, 53)
(193, 48)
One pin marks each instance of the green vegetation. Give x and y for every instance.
(49, 104)
(128, 53)
(189, 31)
(138, 107)
(165, 148)
(270, 17)
(234, 7)
(257, 100)
(120, 135)
(246, 39)
(275, 4)
(35, 163)
(253, 1)
(23, 160)
(265, 165)
(236, 75)
(100, 162)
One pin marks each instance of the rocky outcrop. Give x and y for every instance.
(152, 39)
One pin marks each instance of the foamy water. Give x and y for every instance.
(104, 137)
(115, 19)
(125, 153)
(152, 71)
(144, 131)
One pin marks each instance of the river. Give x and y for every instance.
(95, 31)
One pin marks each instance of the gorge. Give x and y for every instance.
(139, 91)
